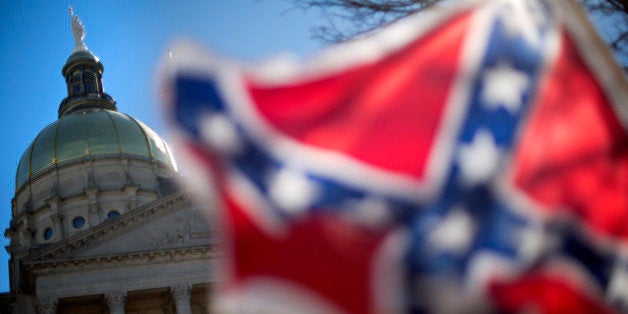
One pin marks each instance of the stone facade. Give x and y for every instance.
(55, 199)
(166, 244)
(98, 224)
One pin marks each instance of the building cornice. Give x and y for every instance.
(142, 259)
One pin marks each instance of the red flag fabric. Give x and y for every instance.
(472, 158)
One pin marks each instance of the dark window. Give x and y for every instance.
(112, 214)
(88, 87)
(48, 233)
(167, 186)
(78, 222)
(77, 88)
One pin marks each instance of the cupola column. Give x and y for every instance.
(57, 218)
(94, 216)
(131, 192)
(27, 234)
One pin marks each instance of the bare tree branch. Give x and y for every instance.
(347, 19)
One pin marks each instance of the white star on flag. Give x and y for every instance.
(534, 241)
(504, 86)
(479, 159)
(454, 233)
(220, 133)
(292, 191)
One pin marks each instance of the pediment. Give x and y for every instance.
(171, 223)
(185, 228)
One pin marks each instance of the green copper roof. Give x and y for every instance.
(88, 134)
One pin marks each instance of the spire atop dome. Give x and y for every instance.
(83, 76)
(78, 31)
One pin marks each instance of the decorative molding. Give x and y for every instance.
(136, 259)
(85, 159)
(54, 201)
(188, 225)
(125, 226)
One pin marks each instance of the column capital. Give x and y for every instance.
(181, 293)
(115, 301)
(181, 297)
(47, 305)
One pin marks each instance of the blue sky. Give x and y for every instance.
(130, 37)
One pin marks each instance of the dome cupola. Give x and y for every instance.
(88, 126)
(83, 76)
(90, 165)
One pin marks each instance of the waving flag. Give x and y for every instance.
(473, 158)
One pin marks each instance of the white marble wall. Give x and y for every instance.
(89, 189)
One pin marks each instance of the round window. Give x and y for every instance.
(78, 222)
(113, 214)
(48, 233)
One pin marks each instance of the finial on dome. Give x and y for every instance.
(78, 31)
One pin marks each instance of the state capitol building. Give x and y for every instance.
(98, 222)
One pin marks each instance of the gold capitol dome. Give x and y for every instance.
(98, 221)
(89, 125)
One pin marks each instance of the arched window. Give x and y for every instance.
(88, 80)
(76, 82)
(112, 214)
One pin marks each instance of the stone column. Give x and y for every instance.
(181, 297)
(131, 192)
(46, 305)
(59, 232)
(115, 302)
(28, 236)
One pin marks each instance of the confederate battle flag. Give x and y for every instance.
(473, 158)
